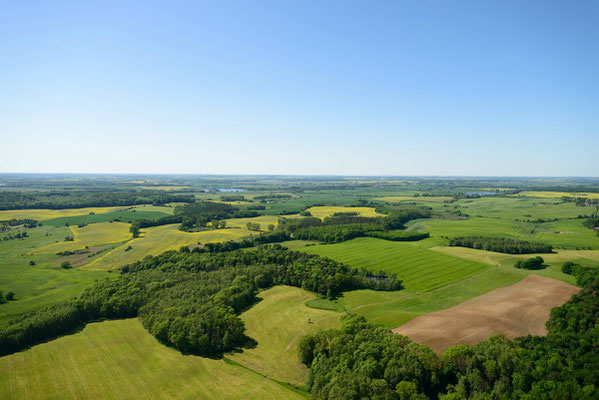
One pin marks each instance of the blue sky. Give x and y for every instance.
(301, 87)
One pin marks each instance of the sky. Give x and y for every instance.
(477, 88)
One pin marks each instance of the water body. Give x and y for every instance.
(232, 190)
(481, 193)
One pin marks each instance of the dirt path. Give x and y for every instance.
(515, 310)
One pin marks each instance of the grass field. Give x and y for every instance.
(276, 323)
(156, 240)
(41, 284)
(42, 215)
(120, 359)
(263, 220)
(420, 269)
(326, 211)
(89, 235)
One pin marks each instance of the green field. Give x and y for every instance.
(326, 211)
(567, 233)
(419, 269)
(120, 359)
(277, 322)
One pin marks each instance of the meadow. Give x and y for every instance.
(420, 269)
(276, 323)
(127, 214)
(120, 359)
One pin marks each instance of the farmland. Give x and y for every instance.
(436, 278)
(420, 269)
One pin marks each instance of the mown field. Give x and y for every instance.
(277, 322)
(120, 359)
(419, 268)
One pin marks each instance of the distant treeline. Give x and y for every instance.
(366, 361)
(501, 245)
(191, 300)
(78, 199)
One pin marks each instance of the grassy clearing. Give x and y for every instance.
(120, 359)
(89, 235)
(276, 323)
(156, 240)
(419, 268)
(263, 220)
(325, 211)
(41, 284)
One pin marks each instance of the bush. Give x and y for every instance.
(530, 263)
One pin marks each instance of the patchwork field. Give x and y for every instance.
(42, 215)
(120, 359)
(567, 234)
(559, 194)
(399, 199)
(127, 214)
(276, 323)
(89, 235)
(419, 268)
(325, 211)
(156, 240)
(521, 207)
(515, 310)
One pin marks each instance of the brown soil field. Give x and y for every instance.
(516, 310)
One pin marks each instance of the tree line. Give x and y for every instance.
(363, 360)
(501, 245)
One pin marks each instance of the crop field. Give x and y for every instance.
(120, 359)
(517, 310)
(156, 240)
(325, 211)
(89, 235)
(43, 283)
(420, 269)
(276, 323)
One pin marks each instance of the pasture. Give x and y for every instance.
(120, 359)
(326, 211)
(545, 194)
(87, 236)
(276, 323)
(45, 214)
(517, 310)
(410, 199)
(420, 269)
(156, 240)
(127, 214)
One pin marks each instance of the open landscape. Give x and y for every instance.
(326, 200)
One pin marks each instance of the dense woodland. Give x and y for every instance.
(501, 245)
(362, 360)
(77, 199)
(191, 300)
